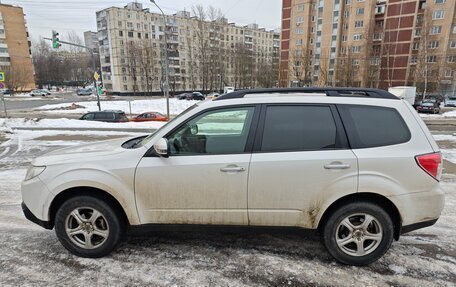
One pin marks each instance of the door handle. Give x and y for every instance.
(232, 169)
(337, 165)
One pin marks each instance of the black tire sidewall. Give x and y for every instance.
(116, 227)
(336, 217)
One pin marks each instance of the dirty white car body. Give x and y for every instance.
(290, 189)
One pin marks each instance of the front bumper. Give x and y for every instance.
(29, 215)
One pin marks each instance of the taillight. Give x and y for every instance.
(431, 163)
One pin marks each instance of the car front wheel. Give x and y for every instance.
(88, 227)
(358, 233)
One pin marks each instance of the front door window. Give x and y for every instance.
(214, 132)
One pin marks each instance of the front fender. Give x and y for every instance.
(118, 183)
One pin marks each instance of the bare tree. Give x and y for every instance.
(133, 62)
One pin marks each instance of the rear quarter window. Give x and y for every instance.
(371, 126)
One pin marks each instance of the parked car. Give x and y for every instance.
(84, 92)
(213, 95)
(149, 116)
(195, 96)
(450, 101)
(182, 96)
(6, 92)
(430, 106)
(362, 170)
(105, 116)
(39, 92)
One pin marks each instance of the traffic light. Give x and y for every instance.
(55, 40)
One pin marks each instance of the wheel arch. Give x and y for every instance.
(374, 198)
(86, 191)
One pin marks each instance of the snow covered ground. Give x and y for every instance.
(30, 255)
(21, 123)
(137, 106)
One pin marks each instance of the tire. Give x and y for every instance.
(380, 228)
(93, 238)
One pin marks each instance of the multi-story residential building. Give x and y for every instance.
(15, 51)
(371, 43)
(203, 54)
(91, 40)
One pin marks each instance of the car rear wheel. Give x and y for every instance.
(358, 233)
(88, 227)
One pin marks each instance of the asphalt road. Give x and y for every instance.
(27, 104)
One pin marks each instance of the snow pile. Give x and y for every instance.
(15, 123)
(450, 114)
(137, 106)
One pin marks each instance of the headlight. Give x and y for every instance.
(34, 171)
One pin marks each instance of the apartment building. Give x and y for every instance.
(203, 54)
(369, 43)
(15, 51)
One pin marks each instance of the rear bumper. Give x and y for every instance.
(420, 209)
(29, 215)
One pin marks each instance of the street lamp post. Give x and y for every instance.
(166, 83)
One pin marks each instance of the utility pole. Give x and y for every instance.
(56, 43)
(166, 83)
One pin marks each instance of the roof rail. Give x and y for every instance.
(330, 92)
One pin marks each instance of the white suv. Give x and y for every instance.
(357, 164)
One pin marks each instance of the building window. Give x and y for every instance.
(433, 45)
(347, 2)
(130, 34)
(359, 23)
(120, 33)
(119, 23)
(346, 13)
(356, 49)
(416, 46)
(438, 14)
(355, 62)
(452, 59)
(378, 36)
(299, 31)
(344, 38)
(298, 42)
(453, 44)
(418, 32)
(431, 59)
(419, 19)
(440, 1)
(345, 26)
(357, 37)
(436, 30)
(359, 11)
(449, 73)
(129, 25)
(300, 20)
(301, 7)
(413, 60)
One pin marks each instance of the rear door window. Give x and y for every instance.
(371, 126)
(298, 128)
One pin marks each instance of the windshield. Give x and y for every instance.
(147, 139)
(428, 104)
(452, 98)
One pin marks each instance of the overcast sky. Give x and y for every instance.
(66, 15)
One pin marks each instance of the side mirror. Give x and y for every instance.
(161, 147)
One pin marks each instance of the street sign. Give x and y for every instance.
(96, 76)
(2, 86)
(2, 76)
